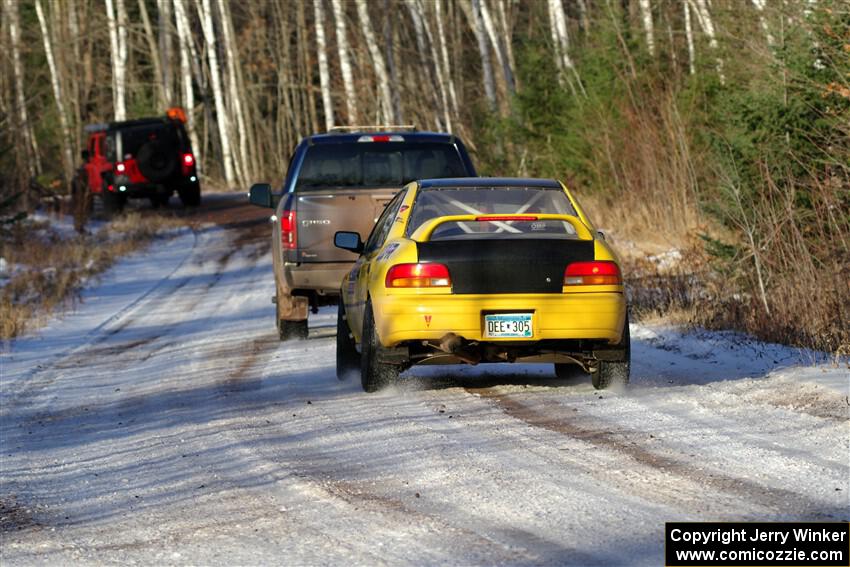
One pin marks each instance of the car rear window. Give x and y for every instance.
(377, 164)
(433, 203)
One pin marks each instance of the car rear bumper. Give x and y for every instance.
(598, 316)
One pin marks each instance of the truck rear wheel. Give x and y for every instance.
(374, 374)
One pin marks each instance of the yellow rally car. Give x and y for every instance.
(482, 270)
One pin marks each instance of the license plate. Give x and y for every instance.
(508, 325)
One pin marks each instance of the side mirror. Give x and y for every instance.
(261, 195)
(348, 241)
(85, 155)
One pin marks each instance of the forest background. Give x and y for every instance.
(714, 133)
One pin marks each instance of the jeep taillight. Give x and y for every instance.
(287, 230)
(592, 273)
(187, 163)
(418, 275)
(120, 167)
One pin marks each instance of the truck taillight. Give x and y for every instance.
(287, 230)
(592, 273)
(418, 275)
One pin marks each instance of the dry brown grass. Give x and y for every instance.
(52, 269)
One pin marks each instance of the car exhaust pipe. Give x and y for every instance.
(457, 346)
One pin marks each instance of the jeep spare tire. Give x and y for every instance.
(157, 160)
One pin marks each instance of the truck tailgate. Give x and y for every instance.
(320, 214)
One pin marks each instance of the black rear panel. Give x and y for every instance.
(506, 265)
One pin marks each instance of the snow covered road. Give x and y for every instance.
(163, 422)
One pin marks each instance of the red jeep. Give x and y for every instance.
(146, 158)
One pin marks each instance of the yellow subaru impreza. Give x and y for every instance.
(475, 270)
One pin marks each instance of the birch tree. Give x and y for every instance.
(689, 35)
(760, 5)
(477, 24)
(205, 13)
(646, 20)
(444, 56)
(324, 74)
(116, 17)
(67, 153)
(700, 7)
(187, 53)
(377, 61)
(498, 46)
(345, 62)
(561, 42)
(165, 48)
(29, 156)
(238, 96)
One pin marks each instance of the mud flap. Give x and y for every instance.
(292, 308)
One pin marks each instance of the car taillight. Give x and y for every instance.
(120, 167)
(592, 273)
(287, 230)
(418, 275)
(188, 160)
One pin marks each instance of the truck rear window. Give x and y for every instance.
(377, 164)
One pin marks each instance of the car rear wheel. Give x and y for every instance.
(289, 330)
(610, 373)
(374, 374)
(347, 358)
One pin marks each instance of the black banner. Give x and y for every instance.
(761, 544)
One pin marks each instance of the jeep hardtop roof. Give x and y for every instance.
(112, 126)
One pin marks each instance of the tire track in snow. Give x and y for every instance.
(774, 499)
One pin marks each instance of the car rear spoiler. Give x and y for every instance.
(424, 232)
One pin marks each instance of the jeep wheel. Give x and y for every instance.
(374, 374)
(347, 360)
(112, 202)
(611, 373)
(190, 195)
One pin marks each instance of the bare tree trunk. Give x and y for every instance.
(116, 17)
(473, 13)
(648, 29)
(689, 34)
(561, 41)
(391, 47)
(205, 13)
(184, 39)
(444, 56)
(498, 46)
(324, 73)
(237, 95)
(165, 49)
(75, 71)
(305, 67)
(345, 62)
(29, 157)
(67, 156)
(707, 24)
(442, 74)
(161, 99)
(377, 61)
(425, 58)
